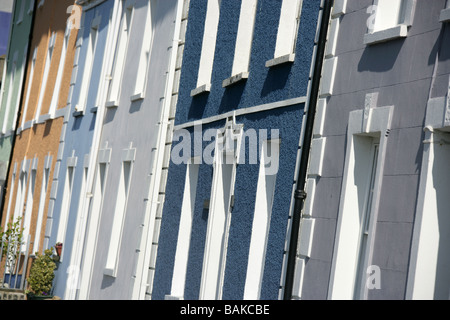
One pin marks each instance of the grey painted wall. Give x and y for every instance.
(401, 71)
(135, 124)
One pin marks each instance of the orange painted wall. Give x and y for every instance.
(42, 139)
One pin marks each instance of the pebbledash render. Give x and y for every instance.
(241, 110)
(377, 183)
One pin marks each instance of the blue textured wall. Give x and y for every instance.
(5, 20)
(264, 85)
(78, 137)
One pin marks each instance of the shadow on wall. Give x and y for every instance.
(198, 105)
(444, 50)
(380, 58)
(232, 97)
(276, 79)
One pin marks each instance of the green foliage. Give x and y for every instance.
(10, 241)
(42, 273)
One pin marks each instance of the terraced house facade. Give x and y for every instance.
(228, 150)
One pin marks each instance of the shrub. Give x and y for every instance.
(42, 273)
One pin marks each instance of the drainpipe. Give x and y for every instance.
(19, 111)
(300, 194)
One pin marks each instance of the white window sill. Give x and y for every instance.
(445, 15)
(400, 31)
(112, 104)
(201, 89)
(233, 79)
(280, 60)
(169, 297)
(109, 272)
(79, 111)
(137, 97)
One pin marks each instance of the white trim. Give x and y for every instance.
(145, 55)
(233, 79)
(42, 198)
(219, 216)
(112, 258)
(397, 16)
(21, 189)
(12, 79)
(11, 190)
(88, 66)
(244, 41)
(363, 126)
(66, 200)
(280, 60)
(428, 256)
(19, 91)
(184, 232)
(47, 65)
(62, 61)
(30, 83)
(95, 212)
(339, 8)
(121, 52)
(287, 32)
(208, 46)
(243, 111)
(328, 77)
(261, 220)
(29, 205)
(445, 15)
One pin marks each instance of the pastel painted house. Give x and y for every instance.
(36, 116)
(6, 8)
(113, 151)
(379, 156)
(12, 81)
(76, 143)
(240, 117)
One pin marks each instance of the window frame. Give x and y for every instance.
(244, 39)
(81, 106)
(123, 192)
(12, 80)
(287, 41)
(29, 86)
(144, 61)
(261, 221)
(363, 125)
(227, 148)
(66, 201)
(121, 53)
(62, 61)
(185, 229)
(42, 200)
(406, 16)
(208, 48)
(45, 76)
